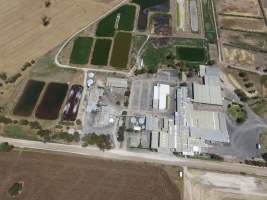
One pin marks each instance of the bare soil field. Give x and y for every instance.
(54, 176)
(238, 7)
(202, 185)
(241, 23)
(24, 37)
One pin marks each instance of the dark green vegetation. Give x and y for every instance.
(101, 52)
(264, 80)
(101, 141)
(121, 19)
(260, 107)
(52, 101)
(242, 96)
(5, 147)
(66, 137)
(237, 112)
(121, 49)
(81, 50)
(155, 55)
(150, 5)
(191, 54)
(15, 189)
(29, 98)
(209, 24)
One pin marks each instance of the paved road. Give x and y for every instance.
(140, 157)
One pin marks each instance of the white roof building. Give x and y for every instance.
(161, 93)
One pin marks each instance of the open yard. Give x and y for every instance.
(56, 176)
(121, 49)
(23, 36)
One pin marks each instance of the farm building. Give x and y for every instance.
(160, 99)
(117, 82)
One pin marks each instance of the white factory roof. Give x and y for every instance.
(161, 91)
(207, 94)
(154, 140)
(117, 82)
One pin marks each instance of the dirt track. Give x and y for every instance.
(22, 35)
(49, 176)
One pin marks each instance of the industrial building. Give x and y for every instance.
(190, 130)
(160, 97)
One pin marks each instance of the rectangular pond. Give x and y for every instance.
(52, 101)
(29, 98)
(72, 105)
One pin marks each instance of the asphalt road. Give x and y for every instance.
(139, 157)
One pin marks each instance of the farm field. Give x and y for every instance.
(29, 98)
(50, 105)
(191, 54)
(238, 7)
(151, 5)
(57, 176)
(81, 50)
(209, 24)
(101, 52)
(121, 49)
(23, 36)
(121, 19)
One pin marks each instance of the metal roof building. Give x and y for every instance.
(207, 94)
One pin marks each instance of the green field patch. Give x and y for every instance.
(101, 52)
(121, 49)
(121, 19)
(237, 112)
(209, 24)
(18, 132)
(191, 54)
(81, 50)
(177, 14)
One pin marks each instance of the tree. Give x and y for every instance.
(45, 20)
(47, 4)
(15, 189)
(5, 147)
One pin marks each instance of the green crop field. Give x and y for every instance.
(81, 50)
(121, 49)
(177, 14)
(209, 24)
(125, 16)
(101, 52)
(191, 54)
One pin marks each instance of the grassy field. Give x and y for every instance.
(81, 50)
(154, 56)
(18, 132)
(125, 16)
(63, 176)
(101, 52)
(209, 24)
(191, 54)
(121, 49)
(177, 15)
(23, 36)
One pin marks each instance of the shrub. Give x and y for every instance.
(23, 122)
(25, 66)
(35, 125)
(264, 80)
(12, 79)
(242, 96)
(3, 76)
(5, 120)
(101, 141)
(121, 130)
(256, 163)
(249, 85)
(5, 147)
(264, 156)
(15, 189)
(78, 122)
(242, 74)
